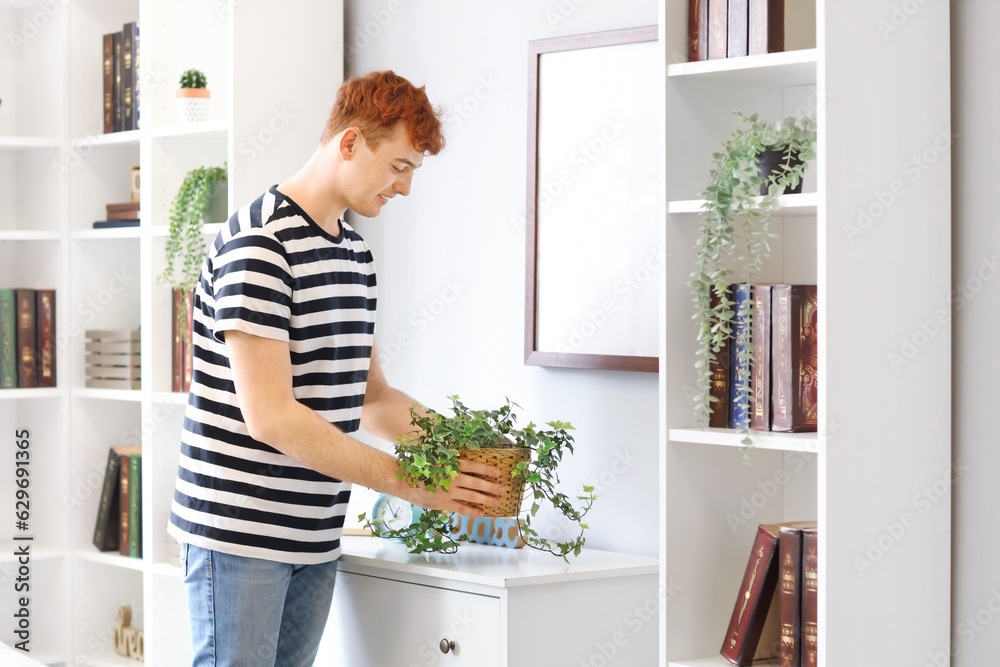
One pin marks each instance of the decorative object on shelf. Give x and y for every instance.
(395, 513)
(192, 97)
(124, 211)
(200, 199)
(113, 359)
(128, 640)
(134, 183)
(492, 530)
(736, 230)
(432, 459)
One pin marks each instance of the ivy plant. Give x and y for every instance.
(736, 223)
(431, 458)
(185, 246)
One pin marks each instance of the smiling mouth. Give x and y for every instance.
(383, 199)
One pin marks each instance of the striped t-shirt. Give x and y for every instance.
(273, 272)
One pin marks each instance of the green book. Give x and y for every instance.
(135, 507)
(8, 339)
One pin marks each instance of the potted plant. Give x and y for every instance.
(758, 163)
(193, 96)
(528, 457)
(200, 199)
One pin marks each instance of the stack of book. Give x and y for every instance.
(731, 28)
(27, 334)
(119, 515)
(120, 215)
(121, 79)
(778, 323)
(775, 615)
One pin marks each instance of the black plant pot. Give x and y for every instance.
(769, 162)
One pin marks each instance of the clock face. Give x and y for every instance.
(396, 513)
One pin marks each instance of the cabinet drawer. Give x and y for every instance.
(382, 623)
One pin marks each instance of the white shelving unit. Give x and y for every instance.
(884, 433)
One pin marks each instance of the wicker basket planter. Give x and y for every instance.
(506, 460)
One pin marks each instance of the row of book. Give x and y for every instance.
(119, 514)
(778, 322)
(121, 79)
(731, 28)
(27, 338)
(775, 615)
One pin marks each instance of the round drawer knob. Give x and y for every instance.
(446, 646)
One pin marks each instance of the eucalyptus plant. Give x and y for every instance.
(185, 247)
(736, 230)
(193, 78)
(431, 458)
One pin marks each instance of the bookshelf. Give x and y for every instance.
(884, 432)
(59, 170)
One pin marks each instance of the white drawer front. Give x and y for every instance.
(381, 623)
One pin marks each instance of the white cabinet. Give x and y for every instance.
(500, 607)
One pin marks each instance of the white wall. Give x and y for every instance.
(976, 280)
(457, 239)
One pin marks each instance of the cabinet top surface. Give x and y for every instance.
(491, 566)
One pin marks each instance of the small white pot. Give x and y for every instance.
(192, 105)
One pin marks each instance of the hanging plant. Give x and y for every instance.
(740, 202)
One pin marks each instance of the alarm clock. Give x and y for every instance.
(396, 514)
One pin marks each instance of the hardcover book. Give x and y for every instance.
(127, 74)
(777, 25)
(45, 305)
(752, 634)
(112, 224)
(135, 506)
(124, 477)
(183, 348)
(697, 30)
(790, 595)
(718, 21)
(739, 358)
(116, 97)
(737, 28)
(719, 415)
(106, 528)
(810, 597)
(8, 339)
(794, 351)
(109, 83)
(760, 366)
(27, 350)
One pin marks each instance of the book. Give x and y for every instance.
(8, 339)
(717, 28)
(109, 83)
(127, 81)
(124, 207)
(124, 480)
(183, 347)
(45, 308)
(790, 594)
(27, 365)
(739, 358)
(777, 25)
(760, 365)
(111, 224)
(737, 28)
(697, 30)
(794, 354)
(105, 529)
(752, 633)
(135, 506)
(810, 597)
(719, 414)
(136, 87)
(116, 83)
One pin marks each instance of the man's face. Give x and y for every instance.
(383, 173)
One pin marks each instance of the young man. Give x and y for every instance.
(284, 359)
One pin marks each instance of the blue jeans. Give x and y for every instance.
(249, 612)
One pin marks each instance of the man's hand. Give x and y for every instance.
(466, 488)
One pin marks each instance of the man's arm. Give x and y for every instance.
(262, 373)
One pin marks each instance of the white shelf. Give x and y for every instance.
(21, 143)
(45, 392)
(788, 68)
(108, 394)
(791, 205)
(715, 661)
(10, 546)
(108, 139)
(789, 442)
(211, 228)
(107, 233)
(191, 129)
(30, 235)
(111, 558)
(112, 660)
(170, 397)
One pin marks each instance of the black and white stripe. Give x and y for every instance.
(273, 272)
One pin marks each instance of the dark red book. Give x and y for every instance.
(719, 414)
(124, 475)
(767, 26)
(45, 305)
(183, 352)
(794, 353)
(718, 20)
(697, 30)
(790, 594)
(753, 633)
(27, 339)
(188, 342)
(109, 83)
(116, 68)
(810, 597)
(737, 28)
(127, 77)
(760, 364)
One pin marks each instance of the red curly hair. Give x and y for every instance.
(376, 102)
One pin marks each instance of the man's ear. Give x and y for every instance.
(350, 140)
